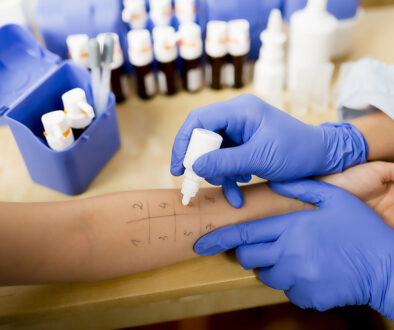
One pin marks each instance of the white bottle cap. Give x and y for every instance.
(160, 12)
(118, 59)
(78, 112)
(238, 37)
(185, 10)
(216, 40)
(164, 44)
(78, 50)
(140, 47)
(57, 131)
(134, 13)
(201, 142)
(190, 44)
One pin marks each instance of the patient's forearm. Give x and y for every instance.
(118, 234)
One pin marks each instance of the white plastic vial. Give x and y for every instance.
(216, 47)
(135, 13)
(191, 49)
(78, 49)
(185, 10)
(312, 33)
(57, 132)
(201, 142)
(160, 12)
(78, 112)
(141, 56)
(270, 68)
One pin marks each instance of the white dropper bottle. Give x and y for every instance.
(312, 33)
(201, 142)
(269, 74)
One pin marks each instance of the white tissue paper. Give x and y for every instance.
(368, 86)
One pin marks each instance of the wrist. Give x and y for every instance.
(345, 146)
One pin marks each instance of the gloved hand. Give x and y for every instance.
(340, 254)
(266, 142)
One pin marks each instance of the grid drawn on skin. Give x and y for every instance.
(178, 212)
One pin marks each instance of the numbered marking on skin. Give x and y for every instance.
(139, 206)
(188, 233)
(210, 227)
(135, 242)
(163, 238)
(209, 199)
(163, 205)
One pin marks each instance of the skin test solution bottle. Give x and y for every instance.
(190, 49)
(118, 81)
(57, 131)
(270, 70)
(141, 57)
(160, 12)
(201, 142)
(164, 47)
(312, 33)
(185, 11)
(78, 112)
(78, 50)
(216, 49)
(135, 13)
(238, 48)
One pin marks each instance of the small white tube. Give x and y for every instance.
(78, 112)
(57, 131)
(201, 142)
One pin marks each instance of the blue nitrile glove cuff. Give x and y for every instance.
(346, 146)
(382, 289)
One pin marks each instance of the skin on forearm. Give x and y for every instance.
(118, 234)
(378, 130)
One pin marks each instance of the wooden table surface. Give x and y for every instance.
(196, 287)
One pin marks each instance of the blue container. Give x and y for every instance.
(57, 19)
(32, 82)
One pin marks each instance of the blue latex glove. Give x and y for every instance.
(341, 254)
(266, 142)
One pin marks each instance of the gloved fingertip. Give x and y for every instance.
(177, 171)
(233, 194)
(206, 246)
(200, 167)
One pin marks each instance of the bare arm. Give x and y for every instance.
(124, 233)
(378, 130)
(117, 234)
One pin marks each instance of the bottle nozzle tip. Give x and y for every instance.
(185, 200)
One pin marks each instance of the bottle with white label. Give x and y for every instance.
(78, 49)
(141, 57)
(160, 12)
(190, 49)
(238, 48)
(79, 112)
(201, 142)
(165, 50)
(135, 13)
(216, 49)
(269, 70)
(118, 80)
(57, 131)
(185, 11)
